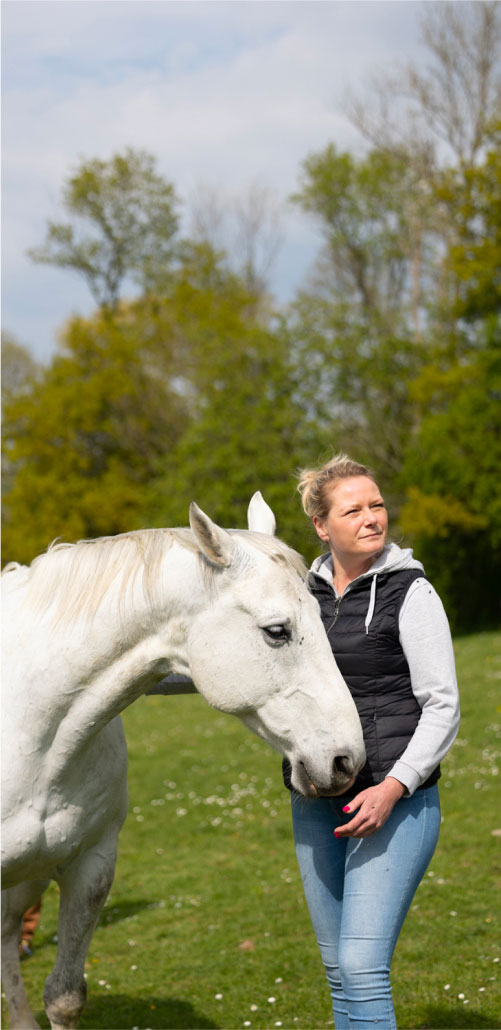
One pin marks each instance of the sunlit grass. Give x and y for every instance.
(206, 926)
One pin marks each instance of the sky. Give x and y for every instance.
(228, 95)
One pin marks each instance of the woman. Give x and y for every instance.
(362, 855)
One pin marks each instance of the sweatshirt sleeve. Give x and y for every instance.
(426, 642)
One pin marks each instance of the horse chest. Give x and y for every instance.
(65, 808)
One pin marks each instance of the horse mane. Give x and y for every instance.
(275, 549)
(74, 577)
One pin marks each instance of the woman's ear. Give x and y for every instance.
(320, 528)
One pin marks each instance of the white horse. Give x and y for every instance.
(90, 627)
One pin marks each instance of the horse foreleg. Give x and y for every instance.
(15, 901)
(84, 889)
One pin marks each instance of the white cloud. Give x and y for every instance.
(222, 92)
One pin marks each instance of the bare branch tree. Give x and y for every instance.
(258, 235)
(248, 227)
(462, 90)
(209, 217)
(453, 101)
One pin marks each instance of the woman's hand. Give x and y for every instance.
(374, 806)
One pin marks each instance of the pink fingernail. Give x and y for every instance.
(336, 835)
(346, 808)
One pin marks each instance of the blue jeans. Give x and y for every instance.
(358, 894)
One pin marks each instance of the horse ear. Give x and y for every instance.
(260, 517)
(217, 545)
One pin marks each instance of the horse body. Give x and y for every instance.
(90, 628)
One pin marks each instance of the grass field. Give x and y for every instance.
(206, 926)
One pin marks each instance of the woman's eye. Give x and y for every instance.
(278, 633)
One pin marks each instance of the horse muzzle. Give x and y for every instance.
(341, 777)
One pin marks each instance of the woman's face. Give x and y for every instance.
(357, 522)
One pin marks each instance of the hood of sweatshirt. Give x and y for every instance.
(391, 559)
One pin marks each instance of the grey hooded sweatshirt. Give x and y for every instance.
(426, 642)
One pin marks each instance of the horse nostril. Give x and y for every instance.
(342, 764)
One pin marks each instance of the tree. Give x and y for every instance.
(474, 258)
(453, 506)
(246, 228)
(357, 331)
(19, 368)
(440, 114)
(20, 373)
(178, 396)
(400, 331)
(245, 431)
(461, 90)
(369, 211)
(440, 119)
(122, 226)
(85, 440)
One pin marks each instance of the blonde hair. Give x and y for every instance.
(315, 484)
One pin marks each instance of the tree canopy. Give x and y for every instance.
(122, 224)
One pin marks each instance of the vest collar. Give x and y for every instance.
(391, 559)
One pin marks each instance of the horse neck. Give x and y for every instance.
(108, 662)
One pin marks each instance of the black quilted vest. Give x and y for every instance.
(374, 667)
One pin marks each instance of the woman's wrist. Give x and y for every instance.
(395, 787)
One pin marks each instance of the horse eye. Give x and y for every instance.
(278, 634)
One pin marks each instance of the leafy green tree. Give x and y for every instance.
(474, 257)
(423, 409)
(453, 507)
(178, 396)
(357, 336)
(20, 372)
(366, 220)
(122, 224)
(246, 431)
(399, 334)
(19, 368)
(86, 439)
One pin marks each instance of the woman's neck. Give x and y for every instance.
(344, 572)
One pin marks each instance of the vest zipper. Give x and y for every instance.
(337, 605)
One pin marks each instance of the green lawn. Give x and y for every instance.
(206, 926)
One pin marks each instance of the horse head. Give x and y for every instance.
(259, 651)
